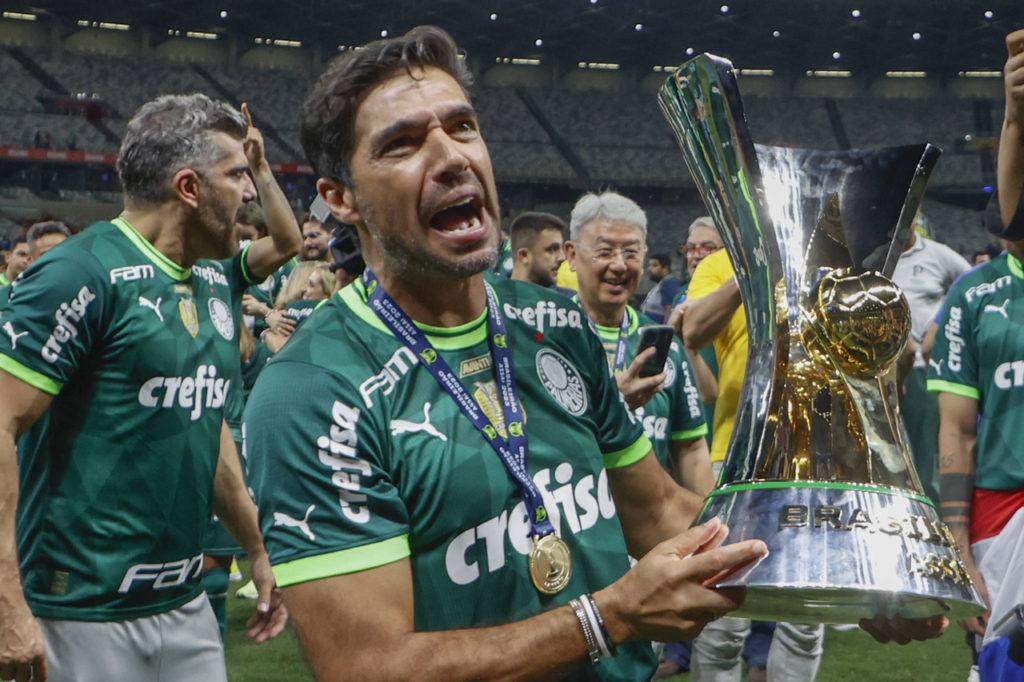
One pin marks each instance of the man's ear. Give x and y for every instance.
(570, 254)
(186, 186)
(523, 255)
(340, 199)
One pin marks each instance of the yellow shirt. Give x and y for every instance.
(566, 277)
(730, 349)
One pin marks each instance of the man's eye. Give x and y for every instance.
(398, 144)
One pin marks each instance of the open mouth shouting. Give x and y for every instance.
(463, 218)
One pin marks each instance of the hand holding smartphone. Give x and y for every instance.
(660, 337)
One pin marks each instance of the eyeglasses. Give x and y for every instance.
(631, 255)
(702, 249)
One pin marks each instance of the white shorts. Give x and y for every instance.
(183, 644)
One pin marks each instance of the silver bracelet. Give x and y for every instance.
(593, 650)
(604, 641)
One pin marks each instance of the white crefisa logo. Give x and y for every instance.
(213, 275)
(67, 315)
(223, 322)
(562, 380)
(337, 451)
(205, 389)
(575, 504)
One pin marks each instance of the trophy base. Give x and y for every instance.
(840, 552)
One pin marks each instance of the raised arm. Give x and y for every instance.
(1011, 139)
(283, 238)
(22, 650)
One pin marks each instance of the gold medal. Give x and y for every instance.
(550, 564)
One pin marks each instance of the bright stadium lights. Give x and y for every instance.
(105, 25)
(598, 66)
(776, 33)
(829, 73)
(517, 61)
(384, 33)
(989, 14)
(539, 42)
(836, 55)
(200, 35)
(855, 14)
(689, 50)
(980, 74)
(724, 9)
(20, 16)
(906, 74)
(757, 72)
(916, 36)
(277, 42)
(223, 14)
(638, 27)
(494, 16)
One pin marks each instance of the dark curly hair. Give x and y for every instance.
(329, 112)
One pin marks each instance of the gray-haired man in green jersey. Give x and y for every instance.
(116, 360)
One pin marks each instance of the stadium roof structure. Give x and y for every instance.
(940, 38)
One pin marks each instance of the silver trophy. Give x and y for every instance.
(818, 465)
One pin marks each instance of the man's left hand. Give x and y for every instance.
(271, 614)
(904, 630)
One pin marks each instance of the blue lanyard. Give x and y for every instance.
(620, 346)
(514, 452)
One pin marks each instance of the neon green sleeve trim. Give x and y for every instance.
(939, 386)
(701, 430)
(342, 562)
(245, 266)
(30, 376)
(634, 453)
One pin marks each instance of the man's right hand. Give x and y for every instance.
(22, 650)
(670, 594)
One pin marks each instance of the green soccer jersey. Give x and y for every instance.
(117, 475)
(979, 353)
(359, 459)
(298, 310)
(266, 291)
(675, 412)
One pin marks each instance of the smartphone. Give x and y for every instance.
(659, 336)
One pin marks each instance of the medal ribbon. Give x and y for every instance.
(514, 452)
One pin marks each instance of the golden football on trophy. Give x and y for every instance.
(862, 320)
